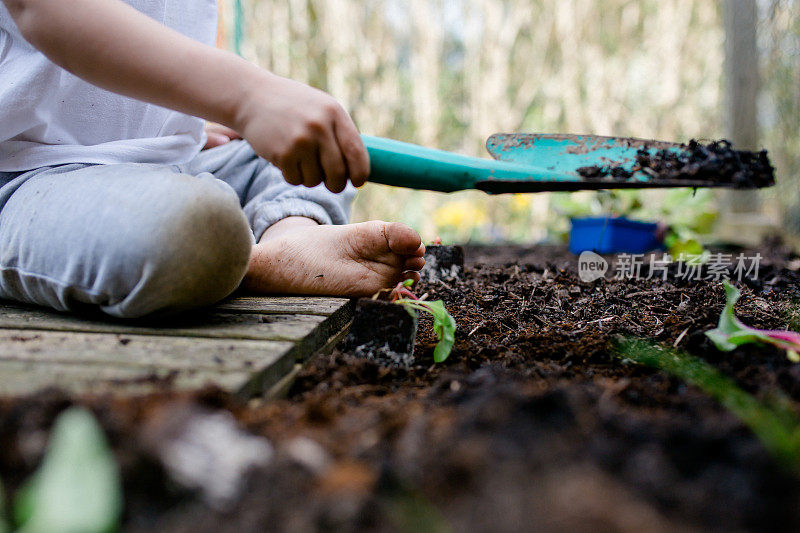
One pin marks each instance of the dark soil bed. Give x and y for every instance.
(532, 423)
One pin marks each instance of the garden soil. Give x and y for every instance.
(533, 423)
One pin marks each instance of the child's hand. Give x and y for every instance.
(217, 135)
(304, 132)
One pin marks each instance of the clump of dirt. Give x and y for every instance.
(715, 162)
(596, 172)
(442, 263)
(382, 331)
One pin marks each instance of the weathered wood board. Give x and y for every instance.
(213, 325)
(283, 305)
(244, 345)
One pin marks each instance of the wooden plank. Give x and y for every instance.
(281, 387)
(210, 324)
(20, 377)
(138, 351)
(301, 305)
(244, 351)
(322, 341)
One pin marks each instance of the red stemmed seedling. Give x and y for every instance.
(443, 323)
(731, 332)
(402, 291)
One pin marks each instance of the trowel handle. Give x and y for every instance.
(409, 165)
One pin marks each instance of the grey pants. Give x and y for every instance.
(137, 239)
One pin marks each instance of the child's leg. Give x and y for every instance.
(265, 196)
(294, 254)
(130, 239)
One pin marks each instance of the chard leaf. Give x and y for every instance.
(444, 325)
(77, 487)
(445, 328)
(731, 332)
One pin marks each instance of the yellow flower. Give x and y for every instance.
(521, 202)
(459, 214)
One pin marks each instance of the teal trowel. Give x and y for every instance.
(538, 162)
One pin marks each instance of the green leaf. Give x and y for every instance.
(77, 487)
(684, 247)
(773, 420)
(704, 223)
(730, 331)
(572, 205)
(3, 524)
(444, 325)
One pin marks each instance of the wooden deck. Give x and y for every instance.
(248, 345)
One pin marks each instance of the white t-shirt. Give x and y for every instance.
(51, 117)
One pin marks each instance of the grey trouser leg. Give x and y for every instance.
(129, 239)
(263, 193)
(136, 239)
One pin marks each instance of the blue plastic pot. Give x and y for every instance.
(612, 235)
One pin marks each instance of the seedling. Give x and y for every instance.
(774, 423)
(443, 323)
(730, 332)
(77, 487)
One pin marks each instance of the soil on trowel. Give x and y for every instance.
(532, 424)
(714, 162)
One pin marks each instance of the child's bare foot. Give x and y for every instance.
(297, 256)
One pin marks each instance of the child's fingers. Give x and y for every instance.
(310, 169)
(212, 128)
(333, 165)
(355, 154)
(291, 171)
(215, 139)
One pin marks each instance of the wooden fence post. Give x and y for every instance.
(741, 214)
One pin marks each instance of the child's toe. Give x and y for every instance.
(402, 239)
(414, 263)
(414, 276)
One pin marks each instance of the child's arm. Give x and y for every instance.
(302, 130)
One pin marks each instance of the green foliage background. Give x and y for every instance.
(447, 74)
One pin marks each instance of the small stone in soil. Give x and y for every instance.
(383, 332)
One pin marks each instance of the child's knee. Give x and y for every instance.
(197, 256)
